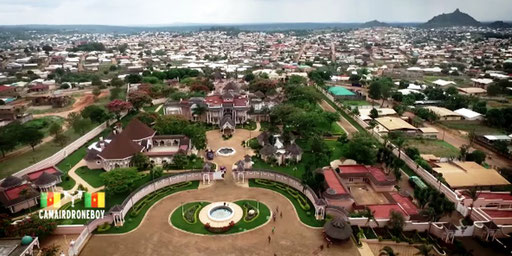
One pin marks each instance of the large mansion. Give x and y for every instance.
(226, 107)
(117, 150)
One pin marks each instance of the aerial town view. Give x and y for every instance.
(251, 127)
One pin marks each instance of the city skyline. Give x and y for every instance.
(163, 13)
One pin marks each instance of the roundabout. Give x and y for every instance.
(206, 218)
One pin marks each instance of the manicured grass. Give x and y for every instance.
(151, 109)
(132, 222)
(46, 150)
(439, 148)
(478, 127)
(91, 176)
(68, 183)
(345, 115)
(355, 102)
(179, 222)
(307, 217)
(336, 129)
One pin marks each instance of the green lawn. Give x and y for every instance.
(152, 108)
(355, 102)
(91, 176)
(46, 150)
(478, 127)
(307, 217)
(179, 222)
(250, 125)
(439, 148)
(345, 115)
(336, 129)
(43, 123)
(132, 222)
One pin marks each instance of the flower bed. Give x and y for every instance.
(248, 207)
(190, 214)
(303, 202)
(104, 227)
(218, 230)
(149, 199)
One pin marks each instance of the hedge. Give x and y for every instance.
(303, 202)
(151, 197)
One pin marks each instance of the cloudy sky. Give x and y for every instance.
(163, 12)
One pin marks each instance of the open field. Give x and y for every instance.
(439, 148)
(478, 127)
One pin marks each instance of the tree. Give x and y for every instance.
(116, 82)
(374, 113)
(473, 194)
(156, 172)
(140, 161)
(120, 180)
(148, 118)
(9, 135)
(95, 113)
(173, 124)
(396, 222)
(370, 215)
(61, 139)
(55, 129)
(133, 78)
(47, 48)
(387, 251)
(179, 161)
(118, 106)
(31, 136)
(81, 125)
(362, 149)
(477, 156)
(33, 226)
(424, 249)
(139, 98)
(96, 92)
(494, 89)
(115, 93)
(199, 110)
(249, 77)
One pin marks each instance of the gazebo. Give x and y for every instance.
(338, 229)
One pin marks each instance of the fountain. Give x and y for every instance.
(226, 151)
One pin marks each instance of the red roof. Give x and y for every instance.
(498, 213)
(214, 99)
(489, 195)
(240, 102)
(14, 193)
(383, 211)
(406, 203)
(334, 182)
(376, 172)
(34, 175)
(4, 88)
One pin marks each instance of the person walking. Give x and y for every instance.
(273, 230)
(269, 238)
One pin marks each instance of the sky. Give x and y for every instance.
(168, 12)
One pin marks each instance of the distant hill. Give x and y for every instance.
(499, 24)
(456, 18)
(373, 24)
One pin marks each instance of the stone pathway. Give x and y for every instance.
(155, 236)
(79, 180)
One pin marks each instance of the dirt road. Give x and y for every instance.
(85, 100)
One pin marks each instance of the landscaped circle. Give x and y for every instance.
(225, 151)
(220, 217)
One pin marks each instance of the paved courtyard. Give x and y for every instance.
(155, 236)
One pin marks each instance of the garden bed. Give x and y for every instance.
(302, 205)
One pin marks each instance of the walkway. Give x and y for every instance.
(72, 174)
(155, 236)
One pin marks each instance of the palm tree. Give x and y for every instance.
(424, 249)
(370, 215)
(473, 194)
(431, 216)
(199, 110)
(399, 143)
(387, 251)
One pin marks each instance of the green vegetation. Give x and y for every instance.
(345, 115)
(354, 102)
(180, 221)
(439, 148)
(92, 177)
(334, 148)
(302, 205)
